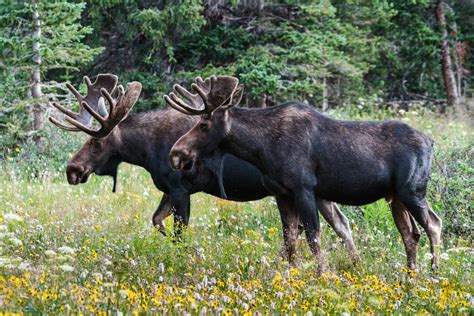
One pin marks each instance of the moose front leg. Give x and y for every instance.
(289, 220)
(163, 211)
(305, 204)
(180, 203)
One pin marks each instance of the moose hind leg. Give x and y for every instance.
(338, 221)
(431, 223)
(289, 220)
(408, 230)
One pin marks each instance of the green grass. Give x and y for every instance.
(229, 261)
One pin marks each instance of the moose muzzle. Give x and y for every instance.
(181, 159)
(77, 174)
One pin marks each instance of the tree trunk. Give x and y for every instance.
(448, 74)
(325, 95)
(38, 108)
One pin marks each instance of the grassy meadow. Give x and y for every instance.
(69, 249)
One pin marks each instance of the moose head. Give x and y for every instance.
(214, 97)
(97, 155)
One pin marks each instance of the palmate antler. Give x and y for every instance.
(119, 109)
(93, 98)
(212, 93)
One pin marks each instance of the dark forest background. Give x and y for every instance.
(338, 53)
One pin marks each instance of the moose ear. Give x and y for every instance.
(236, 96)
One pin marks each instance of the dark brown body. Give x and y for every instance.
(305, 155)
(145, 139)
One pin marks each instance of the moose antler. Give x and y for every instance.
(119, 109)
(93, 98)
(212, 93)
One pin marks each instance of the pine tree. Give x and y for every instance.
(38, 41)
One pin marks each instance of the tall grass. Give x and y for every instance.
(82, 248)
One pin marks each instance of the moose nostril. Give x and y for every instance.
(175, 161)
(74, 173)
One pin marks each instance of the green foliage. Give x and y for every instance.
(287, 58)
(162, 27)
(62, 51)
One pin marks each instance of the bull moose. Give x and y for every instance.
(305, 156)
(145, 139)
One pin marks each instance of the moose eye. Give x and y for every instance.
(203, 127)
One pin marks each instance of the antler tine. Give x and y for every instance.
(63, 126)
(196, 101)
(183, 105)
(204, 84)
(87, 81)
(81, 127)
(64, 110)
(94, 114)
(109, 99)
(76, 93)
(176, 106)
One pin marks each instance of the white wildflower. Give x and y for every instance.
(66, 267)
(107, 262)
(24, 266)
(66, 250)
(265, 262)
(16, 242)
(123, 293)
(50, 253)
(444, 256)
(4, 261)
(12, 217)
(64, 258)
(3, 228)
(428, 256)
(161, 267)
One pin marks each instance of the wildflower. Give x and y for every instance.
(444, 256)
(3, 228)
(107, 262)
(66, 267)
(50, 253)
(24, 266)
(66, 250)
(12, 217)
(397, 304)
(123, 293)
(16, 242)
(4, 262)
